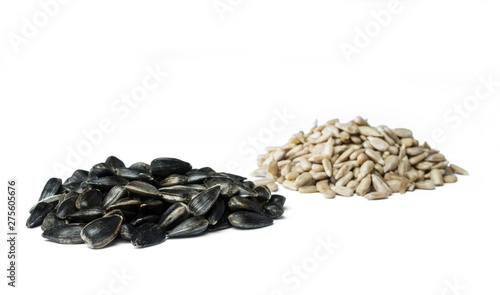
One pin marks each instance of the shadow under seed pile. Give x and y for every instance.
(146, 204)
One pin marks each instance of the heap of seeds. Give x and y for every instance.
(346, 158)
(146, 204)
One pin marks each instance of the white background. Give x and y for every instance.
(228, 77)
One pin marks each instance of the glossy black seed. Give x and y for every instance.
(238, 203)
(128, 174)
(66, 208)
(163, 167)
(216, 212)
(201, 203)
(197, 177)
(152, 207)
(78, 177)
(141, 167)
(51, 221)
(222, 224)
(178, 193)
(54, 200)
(86, 215)
(245, 191)
(117, 212)
(104, 183)
(233, 177)
(228, 187)
(148, 203)
(142, 189)
(147, 178)
(39, 213)
(249, 184)
(144, 219)
(100, 232)
(273, 210)
(174, 179)
(69, 195)
(207, 170)
(66, 234)
(148, 234)
(114, 163)
(52, 187)
(89, 199)
(101, 170)
(278, 199)
(174, 215)
(115, 193)
(126, 231)
(190, 227)
(125, 205)
(263, 194)
(249, 220)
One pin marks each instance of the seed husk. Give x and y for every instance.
(114, 163)
(116, 193)
(201, 203)
(142, 189)
(89, 199)
(142, 219)
(97, 206)
(249, 220)
(238, 203)
(66, 208)
(54, 200)
(148, 234)
(129, 174)
(141, 167)
(175, 214)
(273, 210)
(100, 170)
(125, 205)
(104, 183)
(216, 212)
(39, 213)
(176, 179)
(65, 234)
(76, 179)
(163, 167)
(263, 194)
(222, 224)
(51, 221)
(100, 232)
(126, 231)
(190, 227)
(52, 187)
(152, 206)
(86, 215)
